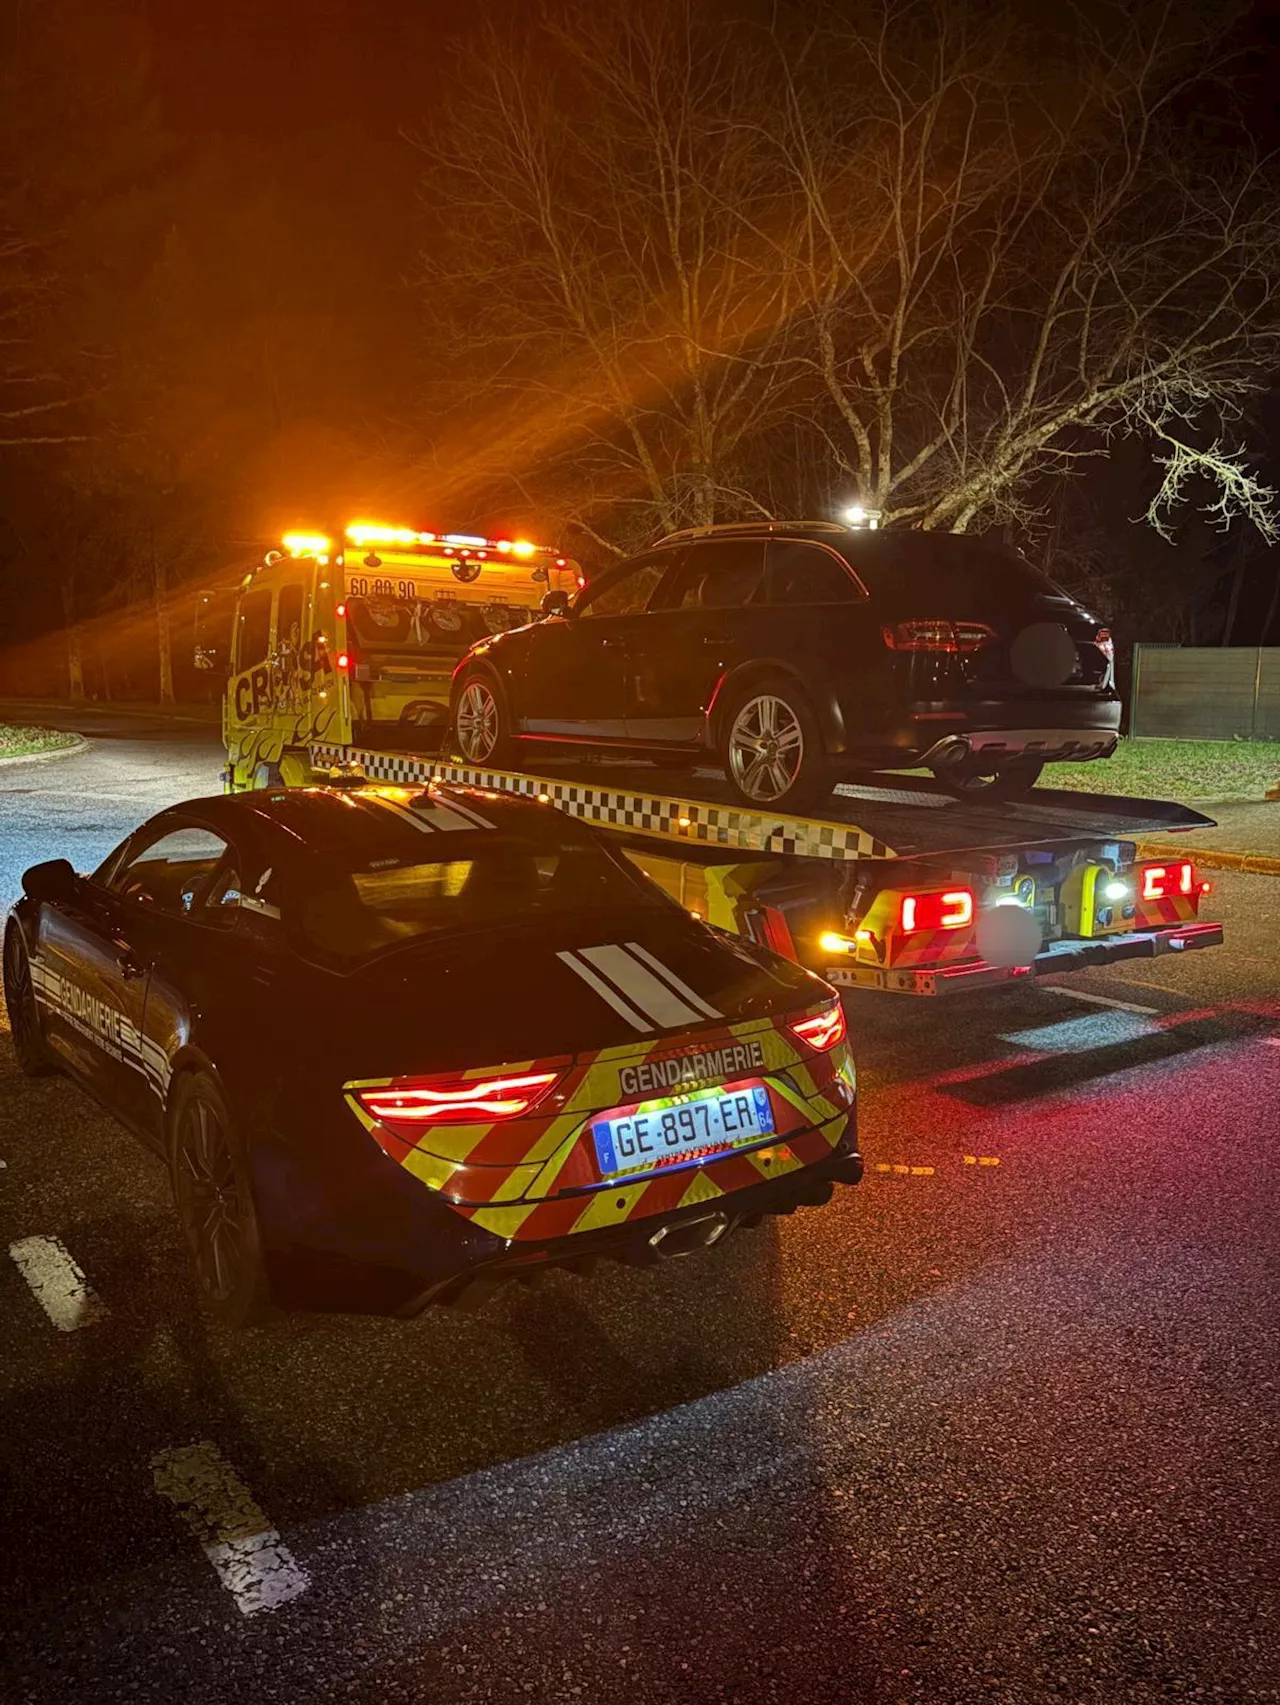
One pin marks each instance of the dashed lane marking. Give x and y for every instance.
(1098, 1000)
(56, 1282)
(252, 1561)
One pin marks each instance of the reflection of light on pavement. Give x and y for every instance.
(1079, 1035)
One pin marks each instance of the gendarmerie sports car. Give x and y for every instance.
(396, 1044)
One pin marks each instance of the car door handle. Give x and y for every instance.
(610, 642)
(715, 639)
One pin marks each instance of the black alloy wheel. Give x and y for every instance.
(214, 1199)
(29, 1044)
(972, 778)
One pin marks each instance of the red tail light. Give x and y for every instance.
(768, 926)
(939, 635)
(1105, 644)
(416, 1102)
(342, 661)
(824, 1030)
(951, 910)
(1167, 881)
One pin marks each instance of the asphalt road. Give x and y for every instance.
(998, 1425)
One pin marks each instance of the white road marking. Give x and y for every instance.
(252, 1561)
(56, 1282)
(1098, 1000)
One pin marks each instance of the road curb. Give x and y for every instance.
(1210, 858)
(78, 745)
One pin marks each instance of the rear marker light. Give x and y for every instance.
(459, 1101)
(824, 1030)
(1105, 644)
(952, 910)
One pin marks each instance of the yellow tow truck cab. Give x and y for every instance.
(351, 638)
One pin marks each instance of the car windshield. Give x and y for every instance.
(349, 909)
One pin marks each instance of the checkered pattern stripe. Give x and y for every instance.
(536, 1178)
(674, 819)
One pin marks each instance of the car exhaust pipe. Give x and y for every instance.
(689, 1236)
(952, 749)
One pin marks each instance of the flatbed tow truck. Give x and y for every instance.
(894, 886)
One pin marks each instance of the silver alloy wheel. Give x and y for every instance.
(766, 748)
(477, 721)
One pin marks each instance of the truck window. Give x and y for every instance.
(253, 629)
(289, 617)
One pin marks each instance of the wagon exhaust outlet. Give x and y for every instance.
(688, 1237)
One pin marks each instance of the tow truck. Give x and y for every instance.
(894, 886)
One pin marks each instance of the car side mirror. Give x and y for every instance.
(53, 881)
(555, 602)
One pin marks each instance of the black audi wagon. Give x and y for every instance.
(795, 653)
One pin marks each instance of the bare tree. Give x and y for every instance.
(604, 263)
(949, 252)
(1014, 251)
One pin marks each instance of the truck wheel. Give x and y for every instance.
(29, 1044)
(481, 725)
(969, 779)
(771, 747)
(214, 1199)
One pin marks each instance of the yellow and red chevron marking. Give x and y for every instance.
(537, 1177)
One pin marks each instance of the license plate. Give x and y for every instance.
(659, 1132)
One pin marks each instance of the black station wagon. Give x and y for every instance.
(794, 654)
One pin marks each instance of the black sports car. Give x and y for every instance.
(395, 1043)
(795, 653)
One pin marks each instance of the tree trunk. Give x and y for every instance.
(1237, 581)
(164, 636)
(75, 638)
(1271, 610)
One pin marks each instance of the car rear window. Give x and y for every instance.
(929, 566)
(349, 909)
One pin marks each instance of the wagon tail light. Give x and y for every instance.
(950, 909)
(414, 1103)
(823, 1030)
(957, 638)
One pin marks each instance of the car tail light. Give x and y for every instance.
(1105, 644)
(415, 1102)
(950, 910)
(937, 635)
(824, 1030)
(1167, 881)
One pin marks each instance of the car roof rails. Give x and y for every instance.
(726, 529)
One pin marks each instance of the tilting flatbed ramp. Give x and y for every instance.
(905, 817)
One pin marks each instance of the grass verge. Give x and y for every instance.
(28, 742)
(1183, 770)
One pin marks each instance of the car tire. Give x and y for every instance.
(34, 1057)
(969, 780)
(213, 1194)
(773, 713)
(481, 724)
